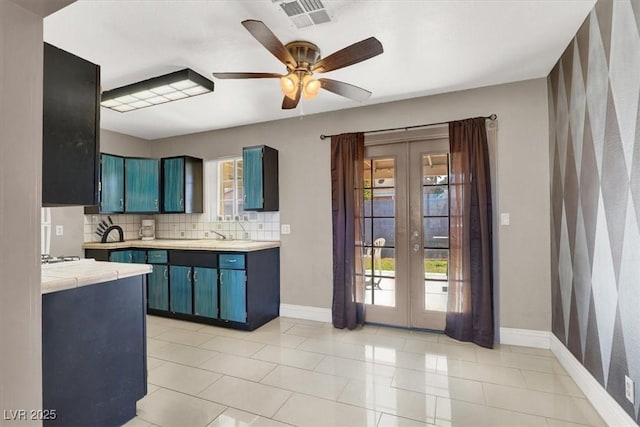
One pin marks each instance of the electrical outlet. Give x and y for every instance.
(206, 234)
(285, 229)
(182, 234)
(629, 390)
(194, 225)
(218, 226)
(59, 230)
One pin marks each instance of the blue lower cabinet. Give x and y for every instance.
(129, 256)
(233, 295)
(181, 292)
(158, 283)
(120, 256)
(138, 257)
(205, 289)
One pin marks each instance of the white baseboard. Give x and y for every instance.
(525, 337)
(306, 312)
(607, 407)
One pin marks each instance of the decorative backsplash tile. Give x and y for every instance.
(254, 226)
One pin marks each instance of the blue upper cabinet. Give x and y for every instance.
(112, 184)
(142, 185)
(260, 178)
(173, 183)
(182, 185)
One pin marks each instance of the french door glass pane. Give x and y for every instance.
(436, 264)
(383, 173)
(436, 232)
(383, 202)
(435, 203)
(435, 295)
(435, 169)
(435, 200)
(380, 275)
(379, 224)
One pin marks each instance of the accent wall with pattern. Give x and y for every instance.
(594, 101)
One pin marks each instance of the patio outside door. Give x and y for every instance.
(407, 233)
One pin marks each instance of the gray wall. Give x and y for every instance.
(305, 193)
(20, 200)
(595, 190)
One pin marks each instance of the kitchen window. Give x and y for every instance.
(227, 201)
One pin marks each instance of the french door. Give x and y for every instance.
(406, 242)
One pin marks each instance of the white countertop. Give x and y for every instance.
(73, 274)
(187, 244)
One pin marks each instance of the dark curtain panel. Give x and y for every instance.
(470, 310)
(347, 170)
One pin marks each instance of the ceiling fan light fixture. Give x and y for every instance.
(289, 85)
(157, 90)
(310, 87)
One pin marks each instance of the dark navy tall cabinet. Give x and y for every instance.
(70, 129)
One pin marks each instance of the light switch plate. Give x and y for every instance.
(285, 229)
(505, 218)
(629, 390)
(59, 230)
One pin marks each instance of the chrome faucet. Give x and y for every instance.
(245, 234)
(220, 236)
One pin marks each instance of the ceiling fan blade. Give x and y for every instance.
(263, 34)
(350, 55)
(247, 75)
(345, 89)
(289, 104)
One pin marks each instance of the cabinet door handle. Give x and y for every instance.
(122, 203)
(181, 203)
(165, 273)
(155, 203)
(232, 260)
(189, 275)
(221, 278)
(130, 257)
(195, 276)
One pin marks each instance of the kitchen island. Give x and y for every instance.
(228, 283)
(93, 342)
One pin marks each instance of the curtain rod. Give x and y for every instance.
(406, 128)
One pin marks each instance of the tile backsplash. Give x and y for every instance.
(255, 226)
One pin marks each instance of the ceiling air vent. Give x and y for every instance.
(304, 13)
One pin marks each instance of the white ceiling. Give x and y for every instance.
(429, 47)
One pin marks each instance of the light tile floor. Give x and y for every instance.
(304, 373)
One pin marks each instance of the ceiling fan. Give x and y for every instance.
(302, 60)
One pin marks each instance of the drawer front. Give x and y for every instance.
(157, 257)
(235, 261)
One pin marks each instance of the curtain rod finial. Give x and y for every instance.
(323, 137)
(493, 116)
